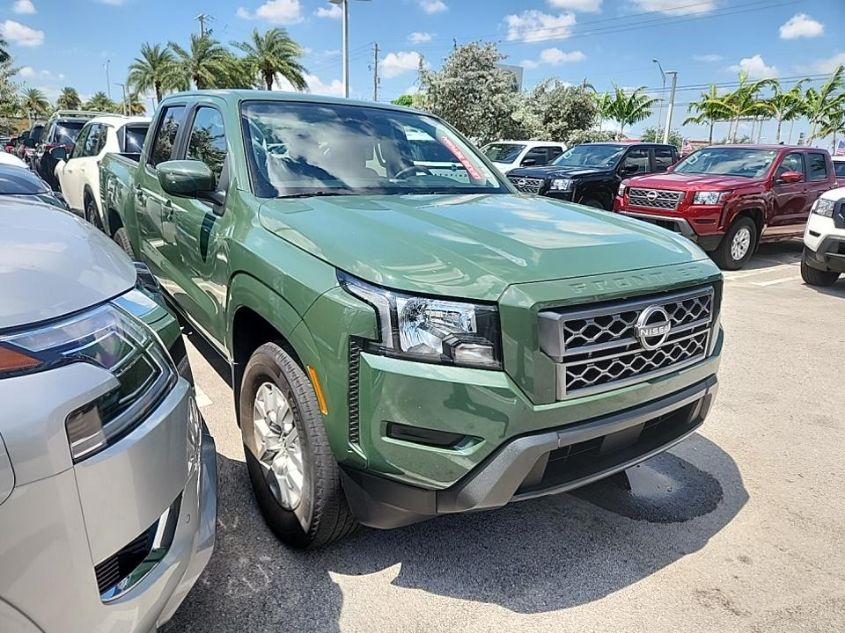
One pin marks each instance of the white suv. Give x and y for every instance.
(824, 240)
(508, 155)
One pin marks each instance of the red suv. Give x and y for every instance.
(730, 198)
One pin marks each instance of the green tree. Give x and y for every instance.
(69, 99)
(555, 111)
(655, 135)
(818, 103)
(473, 93)
(155, 69)
(9, 97)
(202, 64)
(133, 105)
(603, 101)
(832, 122)
(274, 53)
(4, 51)
(708, 110)
(628, 109)
(745, 102)
(785, 105)
(100, 102)
(34, 103)
(404, 100)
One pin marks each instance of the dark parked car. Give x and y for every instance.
(23, 184)
(61, 130)
(590, 173)
(29, 140)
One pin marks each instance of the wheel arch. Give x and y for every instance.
(756, 215)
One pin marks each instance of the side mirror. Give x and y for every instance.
(670, 168)
(789, 177)
(528, 162)
(187, 178)
(59, 153)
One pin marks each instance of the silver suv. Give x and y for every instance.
(108, 481)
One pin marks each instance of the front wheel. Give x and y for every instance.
(595, 203)
(121, 237)
(293, 472)
(816, 277)
(738, 245)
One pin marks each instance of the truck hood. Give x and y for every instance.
(471, 246)
(553, 171)
(690, 182)
(53, 263)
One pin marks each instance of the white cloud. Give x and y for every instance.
(26, 71)
(555, 56)
(333, 12)
(23, 7)
(395, 64)
(433, 6)
(536, 26)
(21, 34)
(274, 12)
(577, 5)
(707, 57)
(755, 67)
(676, 7)
(114, 3)
(529, 64)
(801, 25)
(315, 85)
(419, 38)
(828, 65)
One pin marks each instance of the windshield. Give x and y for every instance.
(601, 156)
(66, 132)
(15, 181)
(337, 149)
(839, 168)
(503, 152)
(728, 161)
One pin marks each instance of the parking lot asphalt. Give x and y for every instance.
(738, 528)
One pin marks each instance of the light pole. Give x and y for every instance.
(662, 94)
(108, 81)
(668, 127)
(125, 103)
(344, 7)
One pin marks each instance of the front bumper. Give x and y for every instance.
(825, 243)
(549, 462)
(58, 529)
(699, 223)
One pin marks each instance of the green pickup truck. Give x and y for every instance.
(405, 341)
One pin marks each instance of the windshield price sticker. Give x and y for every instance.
(474, 174)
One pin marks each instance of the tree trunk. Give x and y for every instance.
(158, 92)
(736, 129)
(710, 138)
(777, 134)
(268, 80)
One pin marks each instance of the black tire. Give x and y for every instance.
(595, 203)
(121, 236)
(816, 277)
(91, 213)
(322, 515)
(723, 254)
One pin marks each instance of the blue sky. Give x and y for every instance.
(67, 42)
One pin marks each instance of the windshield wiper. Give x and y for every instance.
(316, 194)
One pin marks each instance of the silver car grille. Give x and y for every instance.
(655, 198)
(608, 346)
(527, 185)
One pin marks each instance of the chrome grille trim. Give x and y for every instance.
(527, 185)
(655, 198)
(596, 349)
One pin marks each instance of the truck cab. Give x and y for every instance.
(731, 198)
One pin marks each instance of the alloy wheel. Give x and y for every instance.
(741, 243)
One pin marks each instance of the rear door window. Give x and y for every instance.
(133, 138)
(816, 166)
(536, 156)
(168, 127)
(636, 157)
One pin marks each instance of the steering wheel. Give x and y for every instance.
(402, 172)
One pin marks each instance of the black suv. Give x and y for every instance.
(590, 173)
(61, 130)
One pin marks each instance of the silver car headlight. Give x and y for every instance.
(109, 337)
(561, 184)
(709, 197)
(431, 329)
(824, 207)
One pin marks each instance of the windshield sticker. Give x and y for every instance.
(474, 174)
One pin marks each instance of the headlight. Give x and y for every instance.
(621, 191)
(709, 197)
(110, 338)
(432, 330)
(561, 184)
(824, 207)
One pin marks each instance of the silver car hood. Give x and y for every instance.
(52, 263)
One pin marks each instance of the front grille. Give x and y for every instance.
(655, 198)
(527, 185)
(609, 345)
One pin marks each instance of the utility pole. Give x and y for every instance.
(376, 79)
(125, 100)
(662, 93)
(108, 81)
(668, 127)
(202, 18)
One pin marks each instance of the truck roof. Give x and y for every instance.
(770, 146)
(279, 95)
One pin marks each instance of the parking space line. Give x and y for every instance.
(772, 282)
(736, 276)
(202, 399)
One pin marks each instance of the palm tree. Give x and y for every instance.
(785, 105)
(134, 105)
(203, 63)
(153, 70)
(819, 102)
(744, 102)
(274, 53)
(69, 99)
(4, 52)
(833, 120)
(603, 101)
(631, 108)
(709, 109)
(34, 103)
(100, 102)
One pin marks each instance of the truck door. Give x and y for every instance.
(818, 180)
(200, 224)
(153, 207)
(790, 199)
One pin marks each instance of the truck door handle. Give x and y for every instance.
(139, 196)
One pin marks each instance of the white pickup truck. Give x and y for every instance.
(824, 240)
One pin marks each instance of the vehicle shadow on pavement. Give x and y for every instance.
(530, 557)
(776, 254)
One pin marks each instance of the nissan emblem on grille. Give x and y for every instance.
(652, 327)
(521, 182)
(651, 195)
